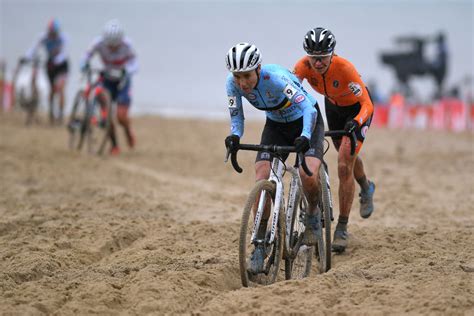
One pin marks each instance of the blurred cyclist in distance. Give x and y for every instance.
(119, 60)
(54, 41)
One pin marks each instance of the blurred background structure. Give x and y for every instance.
(420, 49)
(413, 62)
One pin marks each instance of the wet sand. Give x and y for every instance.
(154, 230)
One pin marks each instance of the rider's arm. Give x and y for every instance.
(309, 118)
(31, 53)
(90, 52)
(132, 65)
(357, 87)
(235, 108)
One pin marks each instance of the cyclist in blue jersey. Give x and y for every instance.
(293, 118)
(54, 41)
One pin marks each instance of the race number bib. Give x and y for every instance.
(290, 91)
(355, 89)
(232, 102)
(114, 74)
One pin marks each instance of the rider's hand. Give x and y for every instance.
(124, 73)
(123, 79)
(302, 144)
(232, 142)
(351, 126)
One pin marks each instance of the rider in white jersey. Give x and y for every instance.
(293, 118)
(120, 63)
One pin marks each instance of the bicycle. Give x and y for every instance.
(270, 191)
(297, 256)
(90, 120)
(28, 102)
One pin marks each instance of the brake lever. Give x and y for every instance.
(302, 159)
(353, 139)
(227, 155)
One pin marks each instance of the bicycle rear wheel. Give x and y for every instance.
(95, 129)
(327, 216)
(76, 119)
(298, 257)
(273, 251)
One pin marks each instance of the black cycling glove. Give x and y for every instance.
(232, 142)
(302, 144)
(351, 126)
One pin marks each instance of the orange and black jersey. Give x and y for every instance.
(341, 84)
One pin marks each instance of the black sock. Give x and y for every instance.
(364, 183)
(342, 222)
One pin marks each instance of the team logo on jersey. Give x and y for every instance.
(300, 98)
(290, 91)
(335, 83)
(251, 97)
(355, 88)
(266, 77)
(363, 131)
(234, 111)
(232, 101)
(269, 95)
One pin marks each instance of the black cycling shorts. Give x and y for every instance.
(56, 70)
(337, 116)
(284, 134)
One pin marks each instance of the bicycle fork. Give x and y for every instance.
(291, 207)
(276, 178)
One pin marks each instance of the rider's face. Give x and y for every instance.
(52, 34)
(113, 47)
(320, 63)
(247, 80)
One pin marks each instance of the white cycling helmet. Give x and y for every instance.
(243, 57)
(113, 32)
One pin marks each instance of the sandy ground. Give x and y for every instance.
(154, 231)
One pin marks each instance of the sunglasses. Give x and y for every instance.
(320, 57)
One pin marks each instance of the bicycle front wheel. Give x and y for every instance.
(298, 257)
(272, 250)
(76, 120)
(96, 126)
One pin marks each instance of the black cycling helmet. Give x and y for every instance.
(319, 41)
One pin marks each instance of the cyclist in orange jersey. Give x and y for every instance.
(348, 106)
